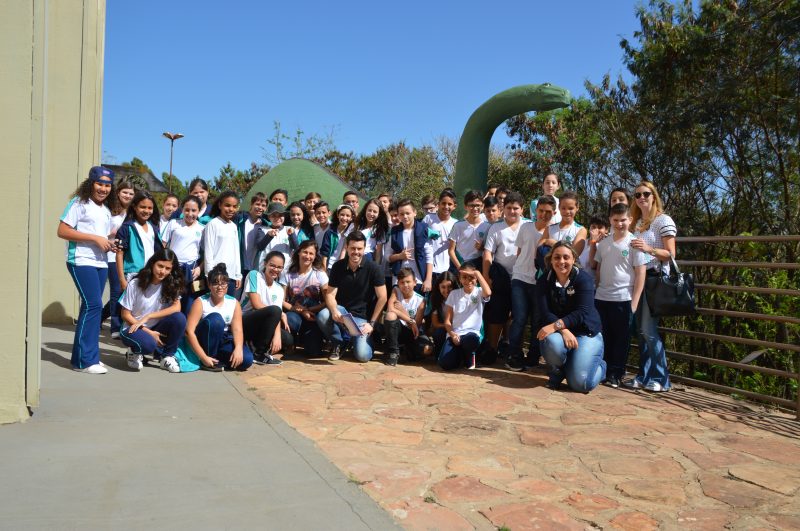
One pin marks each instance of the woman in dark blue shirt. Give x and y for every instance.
(570, 337)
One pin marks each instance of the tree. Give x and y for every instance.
(239, 181)
(301, 145)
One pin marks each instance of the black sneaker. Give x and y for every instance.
(335, 353)
(269, 359)
(612, 381)
(515, 364)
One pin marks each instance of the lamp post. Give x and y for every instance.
(172, 138)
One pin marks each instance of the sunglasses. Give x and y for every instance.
(639, 195)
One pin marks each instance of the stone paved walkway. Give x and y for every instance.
(490, 449)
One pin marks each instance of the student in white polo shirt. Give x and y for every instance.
(86, 225)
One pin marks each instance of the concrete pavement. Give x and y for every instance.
(131, 450)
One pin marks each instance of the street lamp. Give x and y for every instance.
(172, 138)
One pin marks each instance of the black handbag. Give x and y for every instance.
(672, 294)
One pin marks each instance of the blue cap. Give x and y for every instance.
(97, 173)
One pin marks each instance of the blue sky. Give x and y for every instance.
(222, 72)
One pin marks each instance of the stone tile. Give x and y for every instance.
(636, 467)
(538, 488)
(536, 515)
(785, 521)
(471, 427)
(529, 418)
(684, 444)
(779, 479)
(770, 449)
(590, 504)
(542, 437)
(456, 411)
(653, 491)
(309, 377)
(428, 517)
(735, 493)
(578, 418)
(634, 521)
(359, 388)
(397, 482)
(705, 519)
(486, 467)
(401, 413)
(380, 434)
(461, 489)
(610, 448)
(711, 460)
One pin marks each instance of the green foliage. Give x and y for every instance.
(240, 181)
(174, 184)
(300, 145)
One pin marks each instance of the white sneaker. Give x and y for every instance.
(170, 363)
(654, 387)
(134, 360)
(114, 335)
(92, 369)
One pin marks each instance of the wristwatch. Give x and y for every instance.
(559, 324)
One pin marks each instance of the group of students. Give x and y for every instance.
(216, 287)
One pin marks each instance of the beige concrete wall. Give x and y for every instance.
(51, 69)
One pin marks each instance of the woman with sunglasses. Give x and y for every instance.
(214, 326)
(654, 233)
(570, 338)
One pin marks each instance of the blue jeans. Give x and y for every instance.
(616, 317)
(218, 343)
(114, 292)
(90, 282)
(583, 367)
(523, 310)
(652, 355)
(333, 331)
(171, 329)
(452, 356)
(187, 298)
(308, 333)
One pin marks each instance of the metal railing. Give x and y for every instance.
(747, 363)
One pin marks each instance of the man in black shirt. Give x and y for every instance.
(350, 289)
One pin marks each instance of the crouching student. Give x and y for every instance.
(214, 326)
(151, 312)
(464, 318)
(620, 276)
(403, 320)
(569, 337)
(263, 320)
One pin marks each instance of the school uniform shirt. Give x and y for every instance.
(305, 289)
(340, 243)
(409, 243)
(221, 245)
(616, 262)
(467, 310)
(440, 245)
(90, 218)
(225, 311)
(256, 283)
(281, 243)
(137, 245)
(502, 243)
(116, 223)
(183, 239)
(253, 232)
(410, 305)
(556, 214)
(142, 301)
(372, 241)
(162, 224)
(528, 239)
(662, 226)
(583, 259)
(465, 235)
(319, 232)
(567, 234)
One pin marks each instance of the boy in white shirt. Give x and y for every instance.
(620, 276)
(523, 285)
(499, 257)
(441, 225)
(463, 319)
(467, 236)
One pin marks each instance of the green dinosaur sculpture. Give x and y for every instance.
(472, 164)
